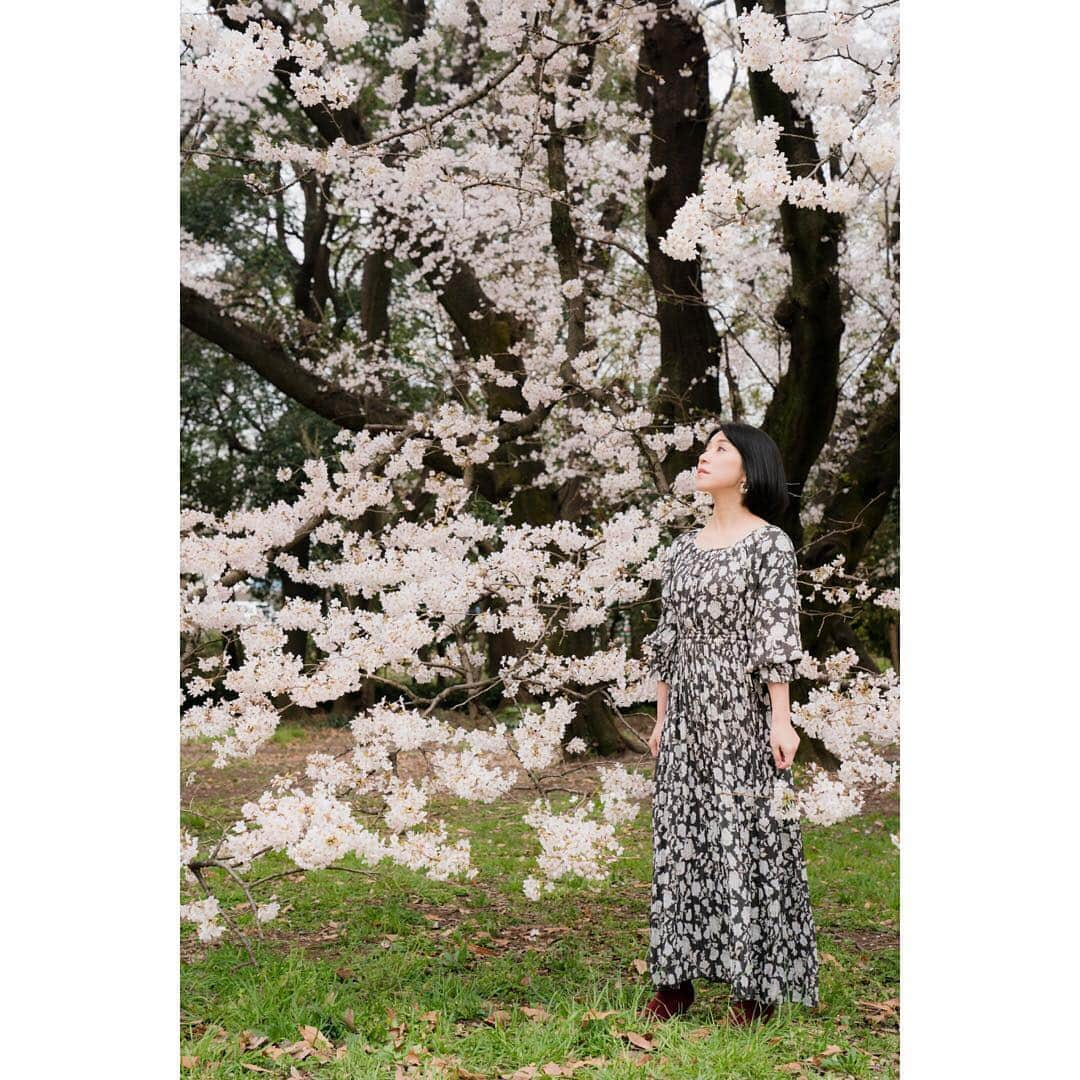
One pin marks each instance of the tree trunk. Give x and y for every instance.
(678, 111)
(803, 406)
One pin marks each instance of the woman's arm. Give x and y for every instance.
(661, 702)
(659, 649)
(777, 642)
(783, 739)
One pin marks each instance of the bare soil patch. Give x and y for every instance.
(867, 941)
(242, 781)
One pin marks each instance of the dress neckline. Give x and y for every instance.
(746, 536)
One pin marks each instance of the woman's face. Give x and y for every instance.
(719, 465)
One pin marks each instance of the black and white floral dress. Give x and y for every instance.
(730, 901)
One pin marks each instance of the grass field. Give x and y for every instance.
(383, 973)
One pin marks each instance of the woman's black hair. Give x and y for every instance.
(764, 467)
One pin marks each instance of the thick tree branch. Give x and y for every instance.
(266, 356)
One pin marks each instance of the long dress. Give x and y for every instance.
(730, 901)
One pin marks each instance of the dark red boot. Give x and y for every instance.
(669, 1001)
(746, 1010)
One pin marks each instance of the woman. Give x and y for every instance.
(730, 901)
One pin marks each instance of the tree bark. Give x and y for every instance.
(678, 109)
(862, 495)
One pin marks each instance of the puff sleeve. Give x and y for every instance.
(658, 648)
(775, 641)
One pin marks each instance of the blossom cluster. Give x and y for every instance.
(821, 59)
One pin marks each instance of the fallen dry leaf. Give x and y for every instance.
(188, 1061)
(312, 1042)
(642, 1042)
(254, 1068)
(592, 1014)
(455, 1069)
(299, 1049)
(880, 1011)
(640, 966)
(568, 1068)
(535, 1014)
(814, 1060)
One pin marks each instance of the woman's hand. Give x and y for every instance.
(784, 742)
(654, 738)
(662, 691)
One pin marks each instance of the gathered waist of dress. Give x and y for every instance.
(729, 642)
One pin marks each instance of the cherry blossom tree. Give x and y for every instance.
(521, 257)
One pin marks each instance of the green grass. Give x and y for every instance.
(287, 733)
(425, 966)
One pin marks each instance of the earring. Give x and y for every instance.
(743, 489)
